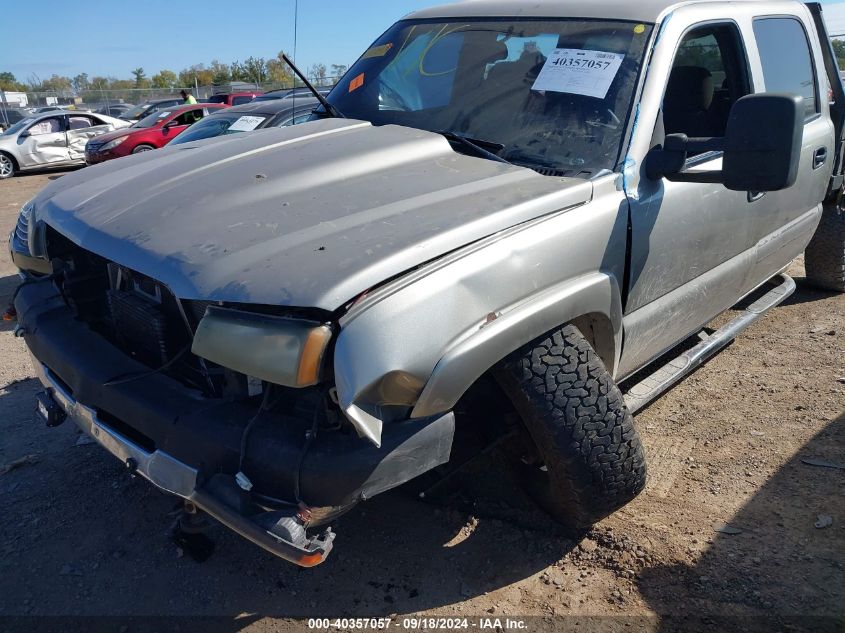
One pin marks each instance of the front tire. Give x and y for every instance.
(7, 166)
(142, 148)
(824, 259)
(585, 460)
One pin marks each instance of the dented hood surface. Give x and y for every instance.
(310, 215)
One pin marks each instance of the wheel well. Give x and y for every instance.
(598, 330)
(12, 158)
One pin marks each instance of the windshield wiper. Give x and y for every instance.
(323, 101)
(476, 145)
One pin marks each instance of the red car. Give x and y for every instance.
(151, 132)
(233, 98)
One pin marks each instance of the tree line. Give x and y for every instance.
(257, 70)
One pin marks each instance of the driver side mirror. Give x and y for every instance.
(761, 147)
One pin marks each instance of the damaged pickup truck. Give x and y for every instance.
(503, 217)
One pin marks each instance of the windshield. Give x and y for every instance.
(553, 95)
(218, 125)
(17, 127)
(153, 119)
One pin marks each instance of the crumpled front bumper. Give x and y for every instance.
(178, 478)
(184, 443)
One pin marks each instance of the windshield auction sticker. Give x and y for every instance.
(246, 123)
(580, 72)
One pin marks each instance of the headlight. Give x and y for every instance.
(282, 351)
(112, 144)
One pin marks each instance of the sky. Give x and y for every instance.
(112, 38)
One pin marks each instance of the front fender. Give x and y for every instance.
(592, 298)
(418, 343)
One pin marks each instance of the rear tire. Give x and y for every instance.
(142, 148)
(824, 259)
(7, 166)
(587, 459)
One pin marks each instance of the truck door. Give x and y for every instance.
(691, 243)
(44, 142)
(788, 65)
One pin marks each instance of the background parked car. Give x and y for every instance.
(247, 117)
(10, 116)
(289, 94)
(115, 109)
(151, 132)
(149, 107)
(233, 98)
(51, 139)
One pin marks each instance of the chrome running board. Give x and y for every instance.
(657, 383)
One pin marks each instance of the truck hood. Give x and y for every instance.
(310, 215)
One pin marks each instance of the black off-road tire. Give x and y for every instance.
(824, 259)
(589, 461)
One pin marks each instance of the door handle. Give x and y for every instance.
(820, 157)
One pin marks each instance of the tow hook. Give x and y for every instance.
(19, 332)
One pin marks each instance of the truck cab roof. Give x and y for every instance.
(642, 10)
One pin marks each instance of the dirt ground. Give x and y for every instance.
(79, 537)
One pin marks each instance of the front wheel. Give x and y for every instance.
(582, 459)
(142, 148)
(7, 166)
(824, 259)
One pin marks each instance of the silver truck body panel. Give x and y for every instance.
(678, 258)
(642, 11)
(308, 216)
(515, 276)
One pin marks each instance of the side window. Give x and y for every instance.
(787, 63)
(77, 122)
(46, 126)
(241, 100)
(709, 74)
(190, 117)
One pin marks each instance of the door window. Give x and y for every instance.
(709, 74)
(787, 63)
(190, 117)
(46, 126)
(78, 122)
(241, 100)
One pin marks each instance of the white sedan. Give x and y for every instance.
(51, 139)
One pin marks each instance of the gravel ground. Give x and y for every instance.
(80, 537)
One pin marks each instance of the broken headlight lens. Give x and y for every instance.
(279, 350)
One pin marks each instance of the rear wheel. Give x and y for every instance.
(583, 459)
(7, 166)
(142, 148)
(824, 259)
